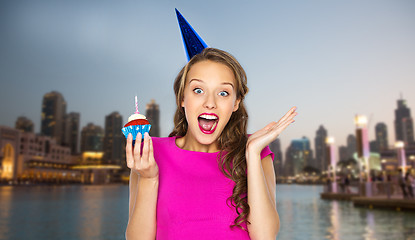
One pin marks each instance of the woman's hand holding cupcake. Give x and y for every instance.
(143, 162)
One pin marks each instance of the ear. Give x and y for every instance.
(236, 105)
(182, 104)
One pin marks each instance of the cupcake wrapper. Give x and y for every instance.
(135, 129)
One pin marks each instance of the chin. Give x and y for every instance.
(206, 139)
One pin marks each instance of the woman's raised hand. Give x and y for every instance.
(143, 162)
(262, 138)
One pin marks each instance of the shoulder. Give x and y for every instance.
(162, 142)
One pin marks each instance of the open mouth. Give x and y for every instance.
(208, 122)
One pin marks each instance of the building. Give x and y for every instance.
(298, 156)
(53, 114)
(26, 156)
(71, 132)
(24, 124)
(9, 153)
(381, 132)
(92, 138)
(351, 146)
(320, 148)
(153, 116)
(374, 146)
(404, 130)
(114, 140)
(343, 153)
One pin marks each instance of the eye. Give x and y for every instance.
(223, 93)
(197, 90)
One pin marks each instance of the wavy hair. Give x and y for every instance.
(232, 141)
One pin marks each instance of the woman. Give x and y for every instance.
(208, 180)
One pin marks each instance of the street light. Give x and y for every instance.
(400, 151)
(332, 161)
(363, 152)
(362, 144)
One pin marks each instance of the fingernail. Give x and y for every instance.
(146, 134)
(129, 135)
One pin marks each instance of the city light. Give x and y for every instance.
(330, 140)
(360, 120)
(399, 144)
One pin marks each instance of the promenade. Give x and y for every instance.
(378, 198)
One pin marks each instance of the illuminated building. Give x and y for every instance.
(92, 137)
(34, 158)
(53, 113)
(404, 130)
(153, 116)
(298, 155)
(24, 124)
(320, 145)
(9, 153)
(381, 132)
(71, 132)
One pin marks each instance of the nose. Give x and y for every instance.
(210, 102)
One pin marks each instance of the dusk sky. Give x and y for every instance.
(331, 59)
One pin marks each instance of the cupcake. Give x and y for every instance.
(136, 123)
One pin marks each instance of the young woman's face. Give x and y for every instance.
(209, 100)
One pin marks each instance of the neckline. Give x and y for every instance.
(189, 151)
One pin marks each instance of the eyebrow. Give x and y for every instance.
(223, 83)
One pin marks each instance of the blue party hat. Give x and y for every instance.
(192, 42)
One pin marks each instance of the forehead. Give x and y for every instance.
(211, 71)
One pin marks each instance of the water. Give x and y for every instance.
(101, 212)
(303, 215)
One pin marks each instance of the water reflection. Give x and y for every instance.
(90, 212)
(334, 218)
(304, 215)
(5, 208)
(101, 212)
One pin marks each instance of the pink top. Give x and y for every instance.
(192, 194)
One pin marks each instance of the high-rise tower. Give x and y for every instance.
(351, 145)
(381, 132)
(320, 145)
(153, 116)
(298, 156)
(92, 138)
(404, 130)
(71, 133)
(53, 113)
(114, 139)
(24, 124)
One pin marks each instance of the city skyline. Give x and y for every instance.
(331, 60)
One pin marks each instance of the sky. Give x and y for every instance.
(331, 59)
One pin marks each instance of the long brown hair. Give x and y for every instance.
(232, 141)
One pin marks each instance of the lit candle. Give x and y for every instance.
(136, 106)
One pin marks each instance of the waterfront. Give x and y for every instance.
(100, 212)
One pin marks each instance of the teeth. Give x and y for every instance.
(209, 117)
(213, 126)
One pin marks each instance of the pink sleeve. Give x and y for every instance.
(265, 152)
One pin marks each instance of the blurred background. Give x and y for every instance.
(69, 72)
